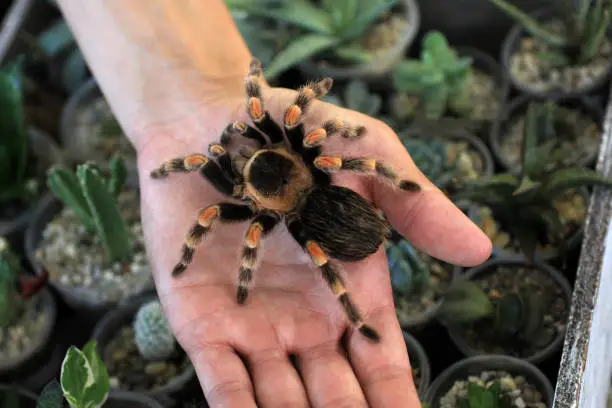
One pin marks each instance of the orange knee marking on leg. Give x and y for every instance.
(308, 92)
(316, 253)
(315, 137)
(195, 160)
(292, 115)
(240, 127)
(255, 108)
(338, 288)
(328, 162)
(208, 215)
(370, 164)
(253, 235)
(216, 149)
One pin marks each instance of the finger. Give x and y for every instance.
(224, 378)
(383, 369)
(277, 383)
(329, 378)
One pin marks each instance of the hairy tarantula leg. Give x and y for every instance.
(364, 165)
(333, 280)
(226, 212)
(224, 160)
(255, 106)
(316, 137)
(261, 226)
(197, 162)
(245, 130)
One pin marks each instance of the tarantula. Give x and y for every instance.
(277, 183)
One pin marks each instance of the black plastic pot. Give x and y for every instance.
(572, 242)
(34, 358)
(511, 42)
(88, 93)
(180, 387)
(419, 359)
(27, 399)
(461, 370)
(124, 399)
(518, 106)
(78, 299)
(47, 153)
(381, 65)
(489, 267)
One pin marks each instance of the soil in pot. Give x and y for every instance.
(76, 258)
(571, 205)
(540, 75)
(503, 280)
(578, 139)
(522, 393)
(129, 371)
(484, 93)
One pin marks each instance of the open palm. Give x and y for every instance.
(242, 353)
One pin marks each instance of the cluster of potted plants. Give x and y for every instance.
(512, 143)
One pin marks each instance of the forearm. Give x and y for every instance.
(159, 61)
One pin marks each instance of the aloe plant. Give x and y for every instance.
(585, 29)
(358, 97)
(409, 274)
(524, 202)
(438, 79)
(327, 27)
(517, 315)
(93, 198)
(482, 396)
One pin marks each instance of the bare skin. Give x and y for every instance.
(173, 73)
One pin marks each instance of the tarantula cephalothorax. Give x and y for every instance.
(276, 183)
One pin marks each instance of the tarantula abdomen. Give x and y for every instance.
(346, 225)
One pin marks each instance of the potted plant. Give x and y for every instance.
(443, 82)
(344, 39)
(521, 382)
(141, 353)
(418, 281)
(573, 127)
(538, 213)
(89, 237)
(421, 370)
(357, 95)
(508, 307)
(560, 52)
(25, 152)
(27, 317)
(84, 383)
(89, 131)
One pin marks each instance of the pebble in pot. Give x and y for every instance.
(93, 245)
(417, 281)
(559, 54)
(443, 82)
(27, 315)
(509, 308)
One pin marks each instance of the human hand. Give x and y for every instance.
(241, 352)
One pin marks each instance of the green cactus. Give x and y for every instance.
(519, 315)
(152, 333)
(438, 79)
(431, 158)
(585, 29)
(409, 274)
(93, 199)
(11, 302)
(481, 396)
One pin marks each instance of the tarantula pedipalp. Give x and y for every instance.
(290, 183)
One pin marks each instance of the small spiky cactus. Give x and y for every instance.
(93, 198)
(152, 332)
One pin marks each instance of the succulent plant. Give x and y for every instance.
(483, 396)
(516, 315)
(585, 29)
(152, 332)
(524, 203)
(328, 26)
(93, 198)
(438, 79)
(15, 289)
(409, 274)
(357, 97)
(431, 157)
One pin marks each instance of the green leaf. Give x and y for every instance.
(354, 53)
(436, 46)
(118, 176)
(65, 185)
(509, 314)
(301, 14)
(596, 39)
(435, 100)
(465, 302)
(75, 376)
(555, 59)
(573, 177)
(97, 392)
(298, 51)
(51, 396)
(369, 12)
